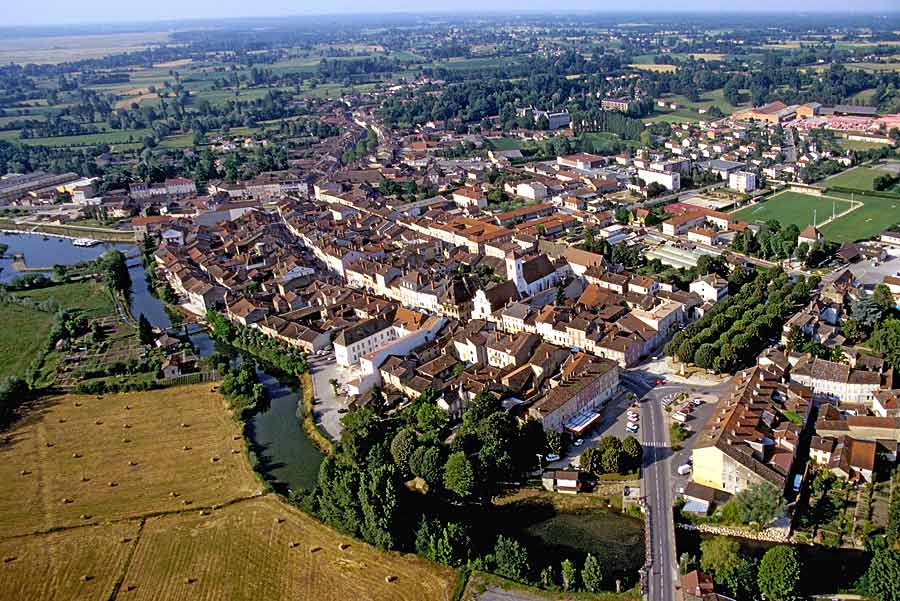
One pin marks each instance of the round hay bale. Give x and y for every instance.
(126, 440)
(173, 494)
(184, 425)
(84, 478)
(187, 502)
(49, 444)
(213, 459)
(113, 484)
(62, 421)
(186, 448)
(315, 549)
(76, 455)
(390, 578)
(99, 422)
(77, 404)
(86, 577)
(126, 426)
(9, 558)
(190, 580)
(132, 463)
(125, 539)
(127, 407)
(343, 546)
(203, 512)
(235, 451)
(236, 437)
(84, 516)
(130, 587)
(66, 500)
(279, 520)
(24, 473)
(291, 545)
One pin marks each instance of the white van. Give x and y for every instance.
(684, 469)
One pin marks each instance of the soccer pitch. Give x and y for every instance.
(793, 207)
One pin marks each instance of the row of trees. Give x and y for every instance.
(273, 352)
(733, 332)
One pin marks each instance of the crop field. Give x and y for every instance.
(150, 495)
(793, 207)
(90, 459)
(874, 67)
(80, 563)
(243, 551)
(654, 68)
(59, 49)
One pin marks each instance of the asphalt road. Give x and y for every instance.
(658, 484)
(656, 488)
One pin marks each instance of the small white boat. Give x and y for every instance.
(85, 242)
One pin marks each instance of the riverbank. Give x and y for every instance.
(315, 434)
(72, 232)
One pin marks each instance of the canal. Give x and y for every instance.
(286, 456)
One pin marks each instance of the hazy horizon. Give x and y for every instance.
(97, 12)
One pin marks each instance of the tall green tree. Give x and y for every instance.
(779, 573)
(592, 574)
(883, 576)
(511, 559)
(459, 475)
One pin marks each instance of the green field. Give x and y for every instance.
(875, 216)
(91, 297)
(860, 178)
(793, 207)
(23, 334)
(505, 143)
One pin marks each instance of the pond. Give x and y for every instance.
(555, 529)
(47, 251)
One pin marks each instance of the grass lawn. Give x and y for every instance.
(669, 118)
(860, 144)
(505, 143)
(875, 216)
(860, 178)
(91, 297)
(23, 335)
(792, 207)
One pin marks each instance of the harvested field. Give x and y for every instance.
(81, 563)
(77, 462)
(243, 552)
(216, 539)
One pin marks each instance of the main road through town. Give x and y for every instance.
(656, 488)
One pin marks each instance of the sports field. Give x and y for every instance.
(860, 178)
(794, 207)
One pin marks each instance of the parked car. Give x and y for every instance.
(552, 457)
(632, 427)
(578, 442)
(684, 469)
(696, 402)
(633, 414)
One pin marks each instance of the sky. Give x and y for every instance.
(47, 12)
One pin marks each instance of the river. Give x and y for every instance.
(47, 253)
(286, 456)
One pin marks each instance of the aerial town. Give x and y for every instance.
(599, 335)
